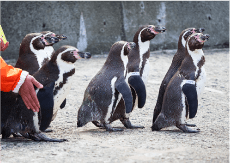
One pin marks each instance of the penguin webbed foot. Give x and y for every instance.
(126, 122)
(47, 130)
(187, 129)
(190, 125)
(109, 128)
(98, 124)
(42, 137)
(16, 135)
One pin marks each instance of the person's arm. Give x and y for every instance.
(19, 81)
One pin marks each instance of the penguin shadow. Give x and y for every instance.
(100, 130)
(175, 131)
(17, 140)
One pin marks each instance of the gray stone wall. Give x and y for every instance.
(94, 26)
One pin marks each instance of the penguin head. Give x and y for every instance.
(40, 41)
(50, 38)
(188, 32)
(196, 41)
(68, 54)
(120, 46)
(118, 54)
(148, 32)
(128, 47)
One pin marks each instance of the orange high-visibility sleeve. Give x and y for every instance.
(10, 76)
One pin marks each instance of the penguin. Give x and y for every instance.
(180, 99)
(176, 63)
(107, 87)
(36, 49)
(56, 76)
(137, 67)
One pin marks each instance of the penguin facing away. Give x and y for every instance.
(107, 88)
(176, 63)
(56, 76)
(138, 68)
(181, 95)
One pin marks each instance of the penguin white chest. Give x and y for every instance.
(200, 82)
(145, 73)
(43, 54)
(110, 107)
(61, 93)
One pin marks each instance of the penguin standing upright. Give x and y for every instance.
(30, 61)
(35, 50)
(176, 63)
(138, 67)
(181, 95)
(107, 87)
(56, 76)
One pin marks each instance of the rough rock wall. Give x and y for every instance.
(94, 26)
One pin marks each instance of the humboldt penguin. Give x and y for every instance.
(176, 63)
(56, 76)
(138, 68)
(180, 99)
(107, 88)
(35, 50)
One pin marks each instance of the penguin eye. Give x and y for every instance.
(148, 29)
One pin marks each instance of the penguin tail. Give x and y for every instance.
(79, 124)
(84, 115)
(155, 127)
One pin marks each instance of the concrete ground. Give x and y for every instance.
(90, 144)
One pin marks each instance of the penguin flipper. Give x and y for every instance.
(45, 98)
(124, 89)
(190, 92)
(138, 85)
(63, 104)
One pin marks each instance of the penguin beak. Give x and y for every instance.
(205, 37)
(51, 40)
(159, 29)
(61, 37)
(86, 55)
(202, 38)
(200, 30)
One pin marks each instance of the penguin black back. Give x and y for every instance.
(107, 88)
(137, 74)
(29, 123)
(176, 63)
(181, 95)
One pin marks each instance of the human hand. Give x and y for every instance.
(28, 93)
(3, 46)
